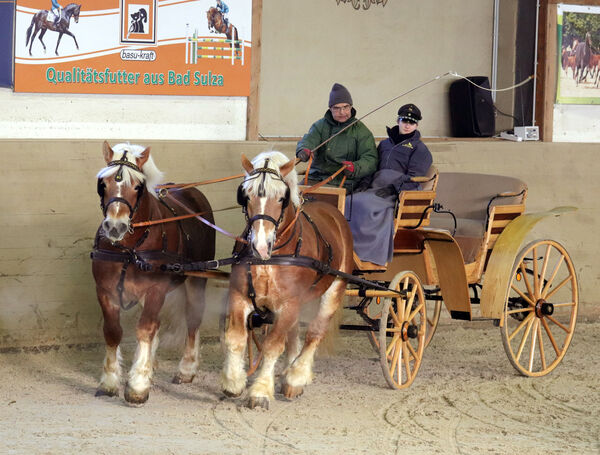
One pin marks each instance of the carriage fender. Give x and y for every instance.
(497, 276)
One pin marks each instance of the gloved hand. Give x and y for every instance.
(304, 155)
(386, 191)
(349, 168)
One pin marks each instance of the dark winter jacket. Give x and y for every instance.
(355, 144)
(409, 157)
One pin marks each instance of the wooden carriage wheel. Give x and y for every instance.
(433, 317)
(540, 309)
(402, 330)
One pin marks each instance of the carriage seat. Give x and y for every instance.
(471, 198)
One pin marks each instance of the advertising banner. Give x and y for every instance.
(134, 47)
(579, 54)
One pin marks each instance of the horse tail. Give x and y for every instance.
(29, 31)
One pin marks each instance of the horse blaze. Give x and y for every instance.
(179, 79)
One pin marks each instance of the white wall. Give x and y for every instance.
(68, 116)
(377, 54)
(576, 123)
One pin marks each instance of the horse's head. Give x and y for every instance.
(271, 183)
(73, 10)
(129, 172)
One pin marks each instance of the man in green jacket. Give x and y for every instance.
(353, 148)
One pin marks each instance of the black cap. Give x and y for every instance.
(410, 111)
(339, 94)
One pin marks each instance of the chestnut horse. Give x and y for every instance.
(269, 281)
(126, 262)
(41, 22)
(215, 20)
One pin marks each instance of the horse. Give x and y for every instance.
(583, 55)
(125, 264)
(215, 20)
(268, 280)
(41, 22)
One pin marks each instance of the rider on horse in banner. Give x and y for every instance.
(56, 9)
(223, 9)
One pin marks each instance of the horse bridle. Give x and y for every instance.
(242, 198)
(102, 186)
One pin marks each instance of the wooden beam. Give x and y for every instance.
(253, 98)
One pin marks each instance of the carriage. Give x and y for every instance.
(457, 243)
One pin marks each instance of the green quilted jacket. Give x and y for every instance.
(355, 144)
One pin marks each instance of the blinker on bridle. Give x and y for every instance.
(118, 178)
(262, 172)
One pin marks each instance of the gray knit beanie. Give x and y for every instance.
(339, 94)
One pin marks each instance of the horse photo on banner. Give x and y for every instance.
(578, 79)
(133, 47)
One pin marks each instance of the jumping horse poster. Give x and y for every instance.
(134, 47)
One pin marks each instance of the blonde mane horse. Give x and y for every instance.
(270, 198)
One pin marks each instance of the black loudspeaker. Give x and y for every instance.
(472, 108)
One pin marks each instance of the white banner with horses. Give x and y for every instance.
(134, 47)
(579, 56)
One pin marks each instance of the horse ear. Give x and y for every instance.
(246, 164)
(287, 167)
(108, 152)
(143, 157)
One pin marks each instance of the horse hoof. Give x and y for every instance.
(291, 392)
(229, 394)
(254, 402)
(107, 393)
(181, 378)
(131, 396)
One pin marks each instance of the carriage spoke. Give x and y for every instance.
(520, 310)
(409, 305)
(395, 364)
(525, 279)
(534, 334)
(565, 304)
(541, 343)
(412, 350)
(536, 278)
(392, 345)
(394, 316)
(550, 336)
(524, 339)
(545, 265)
(552, 276)
(523, 296)
(555, 290)
(520, 326)
(412, 315)
(406, 362)
(562, 326)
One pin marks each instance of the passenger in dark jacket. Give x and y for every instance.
(353, 148)
(401, 156)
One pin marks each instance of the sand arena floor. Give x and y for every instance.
(467, 399)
